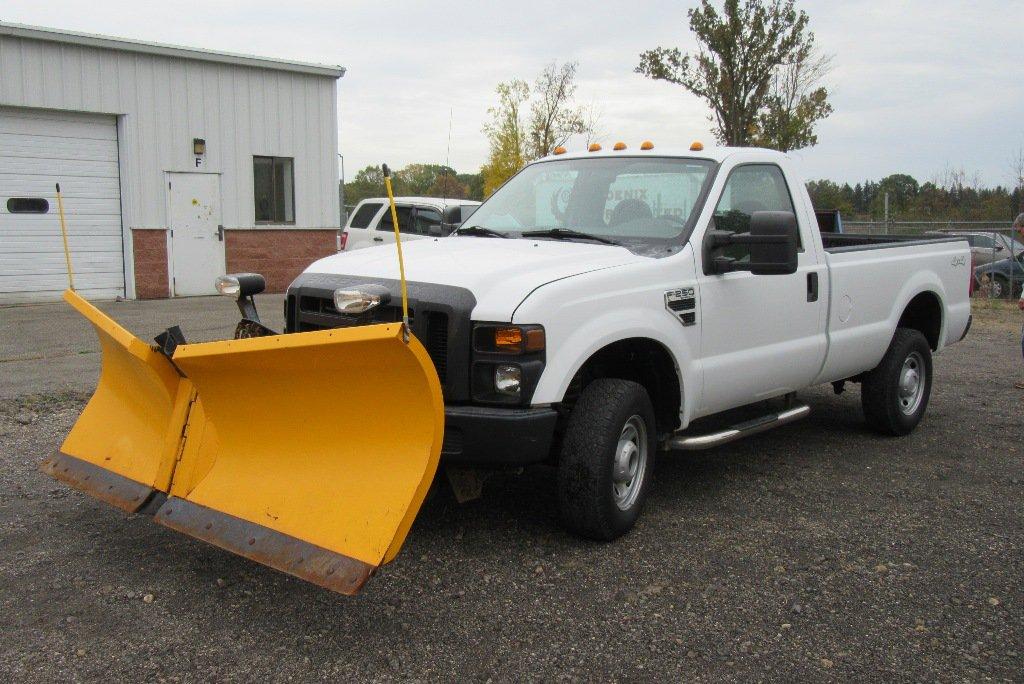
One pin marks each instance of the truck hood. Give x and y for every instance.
(500, 273)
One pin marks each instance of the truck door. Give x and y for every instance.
(761, 335)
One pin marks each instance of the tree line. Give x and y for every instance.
(953, 195)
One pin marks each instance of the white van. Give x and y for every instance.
(418, 217)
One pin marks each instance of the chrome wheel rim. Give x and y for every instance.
(912, 383)
(630, 463)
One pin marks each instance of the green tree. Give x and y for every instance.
(369, 182)
(515, 138)
(739, 53)
(448, 186)
(506, 135)
(902, 190)
(417, 179)
(474, 183)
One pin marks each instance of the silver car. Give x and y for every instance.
(988, 247)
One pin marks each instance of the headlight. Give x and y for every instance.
(357, 301)
(508, 379)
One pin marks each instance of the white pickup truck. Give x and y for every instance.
(600, 303)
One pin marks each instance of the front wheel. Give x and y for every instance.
(607, 459)
(895, 394)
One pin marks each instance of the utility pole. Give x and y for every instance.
(886, 213)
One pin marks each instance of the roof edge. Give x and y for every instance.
(54, 35)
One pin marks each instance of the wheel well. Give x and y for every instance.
(641, 360)
(924, 314)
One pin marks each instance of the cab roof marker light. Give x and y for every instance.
(594, 147)
(696, 146)
(558, 150)
(646, 145)
(619, 146)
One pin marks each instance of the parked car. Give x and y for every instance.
(987, 247)
(418, 217)
(1006, 276)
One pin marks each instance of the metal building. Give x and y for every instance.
(176, 165)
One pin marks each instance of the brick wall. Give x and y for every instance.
(280, 255)
(150, 257)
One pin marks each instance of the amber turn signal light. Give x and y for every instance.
(646, 145)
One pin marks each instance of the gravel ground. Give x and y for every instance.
(815, 552)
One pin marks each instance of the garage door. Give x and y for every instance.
(37, 150)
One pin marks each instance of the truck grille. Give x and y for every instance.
(431, 327)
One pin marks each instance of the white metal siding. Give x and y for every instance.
(37, 150)
(162, 102)
(167, 101)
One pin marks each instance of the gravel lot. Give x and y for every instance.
(815, 552)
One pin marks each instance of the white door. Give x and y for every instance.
(761, 335)
(197, 240)
(38, 149)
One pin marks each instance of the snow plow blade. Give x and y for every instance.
(313, 451)
(123, 446)
(308, 452)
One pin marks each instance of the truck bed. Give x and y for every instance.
(837, 243)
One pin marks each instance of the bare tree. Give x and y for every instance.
(553, 117)
(797, 100)
(1017, 169)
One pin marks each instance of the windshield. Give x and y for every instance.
(634, 201)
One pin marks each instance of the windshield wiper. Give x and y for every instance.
(479, 231)
(569, 234)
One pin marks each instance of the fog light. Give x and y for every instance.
(508, 379)
(228, 286)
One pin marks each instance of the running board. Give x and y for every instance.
(738, 431)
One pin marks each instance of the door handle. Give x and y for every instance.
(220, 233)
(812, 287)
(376, 239)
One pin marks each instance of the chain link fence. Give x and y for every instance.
(996, 249)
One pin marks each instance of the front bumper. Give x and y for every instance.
(477, 436)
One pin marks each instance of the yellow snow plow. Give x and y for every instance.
(264, 445)
(217, 443)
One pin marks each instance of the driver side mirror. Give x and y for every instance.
(451, 218)
(772, 241)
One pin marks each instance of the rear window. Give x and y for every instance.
(363, 215)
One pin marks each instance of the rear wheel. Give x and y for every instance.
(607, 459)
(895, 394)
(1000, 287)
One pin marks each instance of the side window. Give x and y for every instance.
(750, 188)
(427, 219)
(984, 242)
(363, 215)
(404, 220)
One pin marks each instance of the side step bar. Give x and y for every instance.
(738, 431)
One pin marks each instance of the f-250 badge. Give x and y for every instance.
(959, 261)
(683, 304)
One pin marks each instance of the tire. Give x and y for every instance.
(612, 418)
(1000, 287)
(895, 393)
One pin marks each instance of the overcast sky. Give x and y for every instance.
(918, 86)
